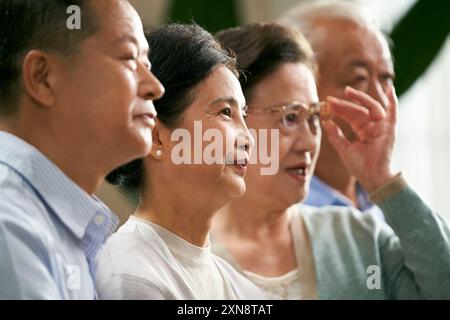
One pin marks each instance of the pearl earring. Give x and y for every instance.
(159, 153)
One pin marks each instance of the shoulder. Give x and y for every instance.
(133, 256)
(23, 215)
(18, 201)
(337, 217)
(343, 226)
(128, 251)
(26, 242)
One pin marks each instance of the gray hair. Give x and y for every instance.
(303, 15)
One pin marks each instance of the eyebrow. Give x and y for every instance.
(358, 63)
(126, 38)
(230, 100)
(132, 39)
(364, 64)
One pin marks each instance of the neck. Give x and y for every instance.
(181, 213)
(79, 166)
(253, 222)
(331, 170)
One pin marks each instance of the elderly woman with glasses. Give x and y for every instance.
(292, 251)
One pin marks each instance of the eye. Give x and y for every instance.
(226, 112)
(130, 57)
(291, 118)
(130, 61)
(359, 79)
(359, 82)
(387, 78)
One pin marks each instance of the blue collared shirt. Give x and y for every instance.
(50, 229)
(321, 194)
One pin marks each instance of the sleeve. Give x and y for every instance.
(23, 269)
(416, 259)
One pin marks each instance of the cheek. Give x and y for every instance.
(112, 88)
(332, 87)
(286, 146)
(318, 141)
(224, 134)
(317, 150)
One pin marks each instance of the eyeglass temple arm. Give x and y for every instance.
(322, 108)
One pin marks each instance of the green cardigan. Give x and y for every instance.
(411, 255)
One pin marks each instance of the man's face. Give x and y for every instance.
(106, 90)
(351, 55)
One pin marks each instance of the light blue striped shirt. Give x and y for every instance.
(50, 229)
(322, 195)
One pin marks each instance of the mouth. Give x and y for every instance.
(299, 172)
(239, 165)
(148, 119)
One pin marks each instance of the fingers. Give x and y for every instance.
(356, 116)
(391, 108)
(375, 108)
(371, 131)
(336, 136)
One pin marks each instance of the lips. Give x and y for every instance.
(146, 115)
(299, 172)
(240, 165)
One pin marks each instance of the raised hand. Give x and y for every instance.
(368, 158)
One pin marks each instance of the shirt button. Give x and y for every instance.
(99, 219)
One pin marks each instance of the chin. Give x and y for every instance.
(144, 143)
(237, 188)
(296, 197)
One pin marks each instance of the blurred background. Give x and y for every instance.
(420, 32)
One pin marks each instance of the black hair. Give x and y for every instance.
(26, 25)
(260, 48)
(182, 57)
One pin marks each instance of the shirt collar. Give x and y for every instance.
(321, 194)
(72, 205)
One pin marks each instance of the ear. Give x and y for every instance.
(38, 73)
(161, 139)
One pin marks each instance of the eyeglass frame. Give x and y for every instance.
(313, 109)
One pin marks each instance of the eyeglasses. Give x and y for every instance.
(294, 114)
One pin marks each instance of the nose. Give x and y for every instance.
(306, 140)
(377, 91)
(245, 140)
(150, 88)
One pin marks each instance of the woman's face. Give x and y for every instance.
(207, 142)
(298, 146)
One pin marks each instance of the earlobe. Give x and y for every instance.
(37, 73)
(158, 144)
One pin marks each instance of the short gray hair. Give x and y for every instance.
(302, 16)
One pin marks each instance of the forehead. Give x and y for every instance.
(118, 19)
(343, 42)
(220, 83)
(288, 82)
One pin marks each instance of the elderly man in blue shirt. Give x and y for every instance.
(350, 51)
(76, 98)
